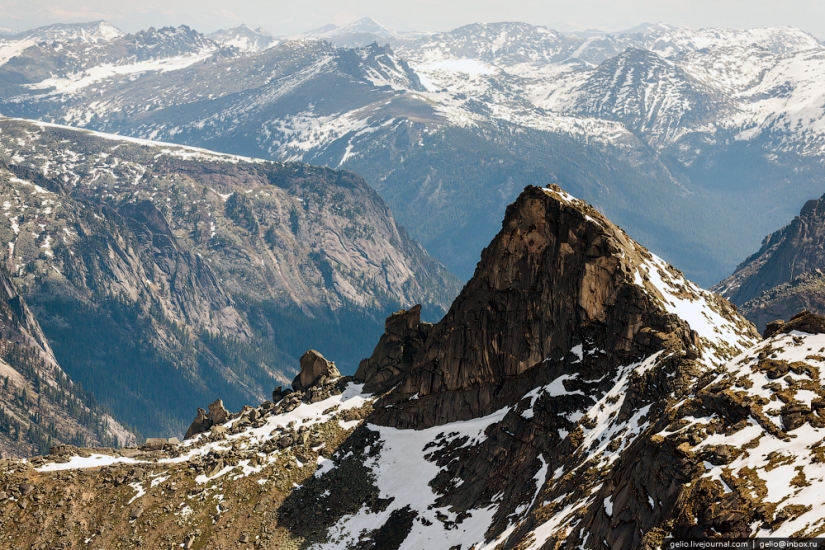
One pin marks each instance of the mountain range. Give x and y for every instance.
(169, 252)
(580, 392)
(665, 129)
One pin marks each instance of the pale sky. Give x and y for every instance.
(285, 18)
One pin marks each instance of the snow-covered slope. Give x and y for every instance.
(244, 38)
(715, 116)
(87, 33)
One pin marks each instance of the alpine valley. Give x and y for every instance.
(698, 142)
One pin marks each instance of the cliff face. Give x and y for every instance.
(167, 276)
(40, 406)
(579, 393)
(558, 277)
(783, 277)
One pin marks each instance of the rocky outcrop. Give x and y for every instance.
(785, 275)
(205, 421)
(217, 412)
(404, 335)
(804, 321)
(314, 369)
(558, 275)
(199, 425)
(805, 292)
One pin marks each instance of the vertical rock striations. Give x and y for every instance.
(40, 406)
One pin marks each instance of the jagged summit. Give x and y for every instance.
(244, 38)
(558, 277)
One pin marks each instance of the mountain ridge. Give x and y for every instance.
(205, 270)
(644, 422)
(529, 96)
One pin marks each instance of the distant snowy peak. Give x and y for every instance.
(168, 41)
(508, 42)
(649, 94)
(356, 34)
(364, 25)
(647, 28)
(514, 42)
(383, 68)
(244, 38)
(780, 40)
(88, 33)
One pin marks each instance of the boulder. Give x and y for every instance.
(772, 328)
(805, 321)
(313, 367)
(217, 413)
(154, 443)
(201, 424)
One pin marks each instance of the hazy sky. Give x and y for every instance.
(292, 17)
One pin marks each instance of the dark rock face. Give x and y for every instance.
(785, 275)
(314, 367)
(199, 425)
(404, 335)
(551, 279)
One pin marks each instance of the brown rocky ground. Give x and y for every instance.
(147, 502)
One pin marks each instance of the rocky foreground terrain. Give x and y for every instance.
(579, 393)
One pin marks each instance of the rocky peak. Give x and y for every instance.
(404, 334)
(579, 393)
(797, 248)
(559, 281)
(204, 421)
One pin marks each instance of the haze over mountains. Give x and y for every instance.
(667, 130)
(184, 216)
